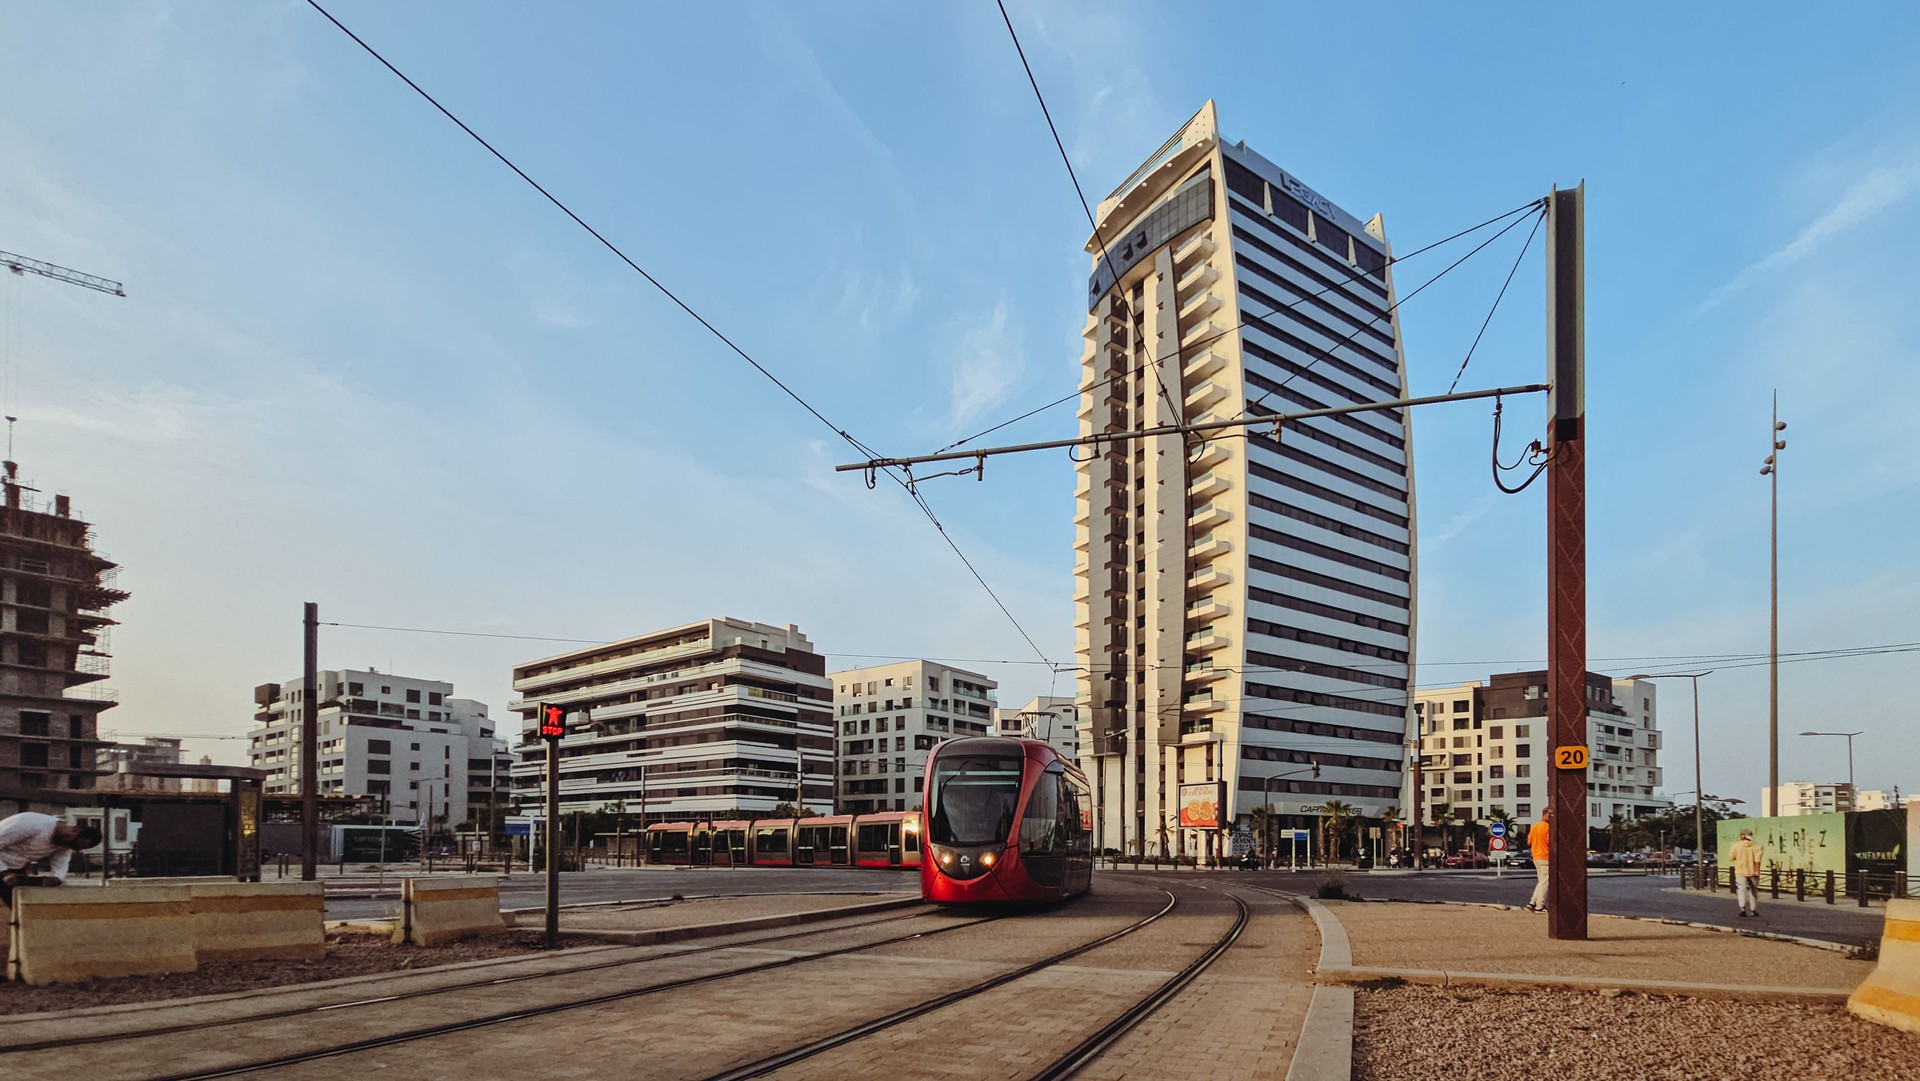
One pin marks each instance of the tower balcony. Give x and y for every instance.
(1208, 515)
(1199, 276)
(1204, 395)
(1205, 672)
(1209, 484)
(1198, 246)
(1212, 454)
(1211, 578)
(1199, 306)
(1203, 703)
(1207, 363)
(1209, 547)
(1207, 611)
(1205, 330)
(1206, 642)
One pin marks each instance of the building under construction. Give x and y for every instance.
(54, 594)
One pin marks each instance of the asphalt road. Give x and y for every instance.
(1608, 894)
(524, 890)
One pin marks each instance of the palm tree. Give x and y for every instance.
(1615, 827)
(1443, 817)
(1390, 818)
(1262, 819)
(1334, 822)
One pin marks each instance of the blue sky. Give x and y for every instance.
(360, 363)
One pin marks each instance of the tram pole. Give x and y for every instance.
(1567, 565)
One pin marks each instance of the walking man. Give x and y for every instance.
(1537, 841)
(26, 838)
(1744, 858)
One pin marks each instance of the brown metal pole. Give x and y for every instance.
(310, 749)
(1567, 569)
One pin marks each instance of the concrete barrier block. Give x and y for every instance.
(68, 933)
(247, 921)
(447, 908)
(1891, 996)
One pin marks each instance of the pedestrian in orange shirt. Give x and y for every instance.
(1537, 840)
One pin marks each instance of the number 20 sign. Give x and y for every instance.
(1574, 757)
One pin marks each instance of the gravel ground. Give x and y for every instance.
(347, 955)
(1422, 1033)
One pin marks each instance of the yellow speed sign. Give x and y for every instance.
(1574, 757)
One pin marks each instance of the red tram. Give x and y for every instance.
(1006, 820)
(889, 839)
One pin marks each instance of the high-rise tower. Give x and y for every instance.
(1245, 600)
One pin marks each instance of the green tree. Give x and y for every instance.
(786, 809)
(1262, 819)
(1391, 822)
(1335, 815)
(1442, 815)
(1616, 826)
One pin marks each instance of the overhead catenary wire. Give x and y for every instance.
(1352, 276)
(1531, 233)
(681, 304)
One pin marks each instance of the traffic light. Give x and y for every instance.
(553, 722)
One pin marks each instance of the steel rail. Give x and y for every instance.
(425, 992)
(767, 1065)
(1091, 1048)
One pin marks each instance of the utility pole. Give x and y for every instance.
(1771, 470)
(310, 748)
(1567, 564)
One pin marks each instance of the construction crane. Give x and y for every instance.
(20, 264)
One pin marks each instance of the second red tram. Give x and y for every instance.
(1006, 820)
(886, 839)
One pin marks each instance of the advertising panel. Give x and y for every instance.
(1875, 842)
(1200, 804)
(1811, 843)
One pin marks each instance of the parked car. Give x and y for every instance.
(1468, 859)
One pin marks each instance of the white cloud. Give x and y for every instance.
(989, 365)
(1457, 522)
(1880, 188)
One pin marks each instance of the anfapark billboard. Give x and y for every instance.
(1873, 841)
(1200, 804)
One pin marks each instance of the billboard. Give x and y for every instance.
(1877, 842)
(1200, 804)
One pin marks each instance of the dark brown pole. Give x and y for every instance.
(1567, 567)
(310, 749)
(553, 844)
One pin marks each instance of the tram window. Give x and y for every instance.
(873, 838)
(913, 840)
(972, 800)
(770, 842)
(1040, 825)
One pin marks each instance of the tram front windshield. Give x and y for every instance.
(974, 800)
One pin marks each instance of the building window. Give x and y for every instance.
(1496, 732)
(434, 698)
(1521, 731)
(1523, 750)
(1523, 790)
(1495, 773)
(35, 723)
(379, 746)
(1462, 705)
(1496, 791)
(899, 724)
(379, 765)
(1524, 810)
(866, 726)
(1523, 771)
(356, 688)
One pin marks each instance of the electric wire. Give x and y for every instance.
(1531, 233)
(670, 295)
(1352, 275)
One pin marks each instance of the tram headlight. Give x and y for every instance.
(986, 859)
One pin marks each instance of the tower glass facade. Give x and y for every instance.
(1245, 600)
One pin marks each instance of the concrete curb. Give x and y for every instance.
(1325, 1049)
(756, 923)
(1774, 936)
(1360, 974)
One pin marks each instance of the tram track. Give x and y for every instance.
(763, 1066)
(467, 1024)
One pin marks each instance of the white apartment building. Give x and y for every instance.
(723, 718)
(1245, 604)
(890, 716)
(428, 755)
(1874, 799)
(1807, 798)
(1485, 749)
(1049, 717)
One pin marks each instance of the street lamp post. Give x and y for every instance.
(1699, 817)
(1853, 798)
(1771, 470)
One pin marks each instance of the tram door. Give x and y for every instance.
(736, 847)
(837, 853)
(701, 854)
(1043, 836)
(803, 845)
